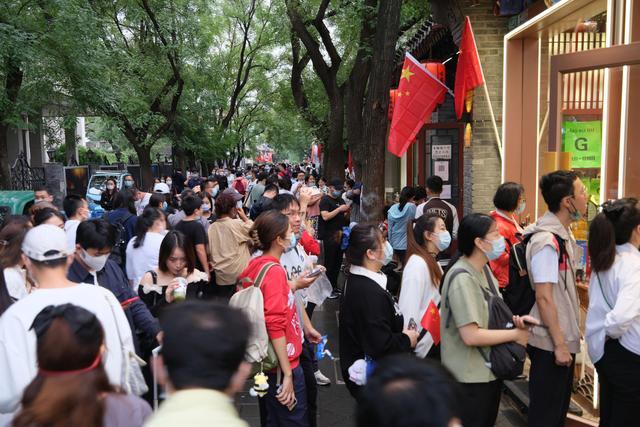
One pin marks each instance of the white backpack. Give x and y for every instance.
(260, 352)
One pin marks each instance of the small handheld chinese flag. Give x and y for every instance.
(418, 94)
(469, 71)
(431, 322)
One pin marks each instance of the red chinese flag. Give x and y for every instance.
(469, 71)
(417, 96)
(431, 322)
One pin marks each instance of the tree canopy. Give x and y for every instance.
(210, 79)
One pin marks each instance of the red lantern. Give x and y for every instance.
(393, 93)
(439, 72)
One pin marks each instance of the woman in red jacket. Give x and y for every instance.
(285, 405)
(509, 201)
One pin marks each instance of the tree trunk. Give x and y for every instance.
(70, 151)
(5, 170)
(375, 120)
(334, 154)
(144, 160)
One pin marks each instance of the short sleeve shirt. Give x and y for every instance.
(543, 265)
(465, 303)
(326, 229)
(195, 233)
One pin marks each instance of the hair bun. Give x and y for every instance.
(613, 209)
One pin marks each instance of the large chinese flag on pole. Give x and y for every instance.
(469, 71)
(417, 96)
(431, 321)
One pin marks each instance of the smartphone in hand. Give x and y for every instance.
(413, 326)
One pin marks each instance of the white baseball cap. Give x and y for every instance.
(161, 188)
(46, 242)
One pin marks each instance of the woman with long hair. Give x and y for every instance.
(108, 194)
(613, 319)
(399, 215)
(11, 237)
(465, 319)
(371, 324)
(176, 262)
(207, 216)
(427, 236)
(143, 249)
(71, 387)
(287, 405)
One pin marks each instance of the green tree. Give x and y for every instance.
(351, 47)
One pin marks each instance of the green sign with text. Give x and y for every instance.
(584, 141)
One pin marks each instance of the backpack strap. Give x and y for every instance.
(263, 272)
(446, 295)
(487, 275)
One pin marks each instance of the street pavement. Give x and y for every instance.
(336, 407)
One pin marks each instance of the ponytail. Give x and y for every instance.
(416, 244)
(613, 226)
(144, 223)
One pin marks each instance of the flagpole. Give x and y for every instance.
(493, 117)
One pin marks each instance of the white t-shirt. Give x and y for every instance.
(71, 227)
(144, 258)
(141, 204)
(18, 359)
(544, 265)
(416, 294)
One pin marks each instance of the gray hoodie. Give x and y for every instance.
(564, 293)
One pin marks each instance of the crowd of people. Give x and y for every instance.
(181, 285)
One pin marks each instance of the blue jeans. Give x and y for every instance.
(279, 415)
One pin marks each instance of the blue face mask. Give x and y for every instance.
(497, 248)
(294, 242)
(215, 191)
(128, 184)
(206, 208)
(337, 193)
(444, 240)
(164, 206)
(521, 207)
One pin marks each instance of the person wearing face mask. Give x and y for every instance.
(285, 405)
(211, 187)
(207, 216)
(509, 201)
(128, 182)
(143, 248)
(46, 257)
(77, 210)
(333, 216)
(371, 323)
(91, 264)
(191, 227)
(465, 316)
(108, 195)
(229, 242)
(420, 289)
(41, 194)
(552, 351)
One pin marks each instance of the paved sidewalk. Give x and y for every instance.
(335, 405)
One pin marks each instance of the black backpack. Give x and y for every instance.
(506, 360)
(119, 250)
(519, 294)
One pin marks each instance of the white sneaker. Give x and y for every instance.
(321, 379)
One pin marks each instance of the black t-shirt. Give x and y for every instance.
(195, 233)
(327, 229)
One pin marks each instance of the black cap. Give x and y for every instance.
(336, 183)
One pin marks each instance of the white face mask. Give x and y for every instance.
(95, 263)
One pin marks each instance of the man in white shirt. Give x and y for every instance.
(551, 261)
(46, 257)
(77, 210)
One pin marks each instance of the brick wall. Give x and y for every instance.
(482, 161)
